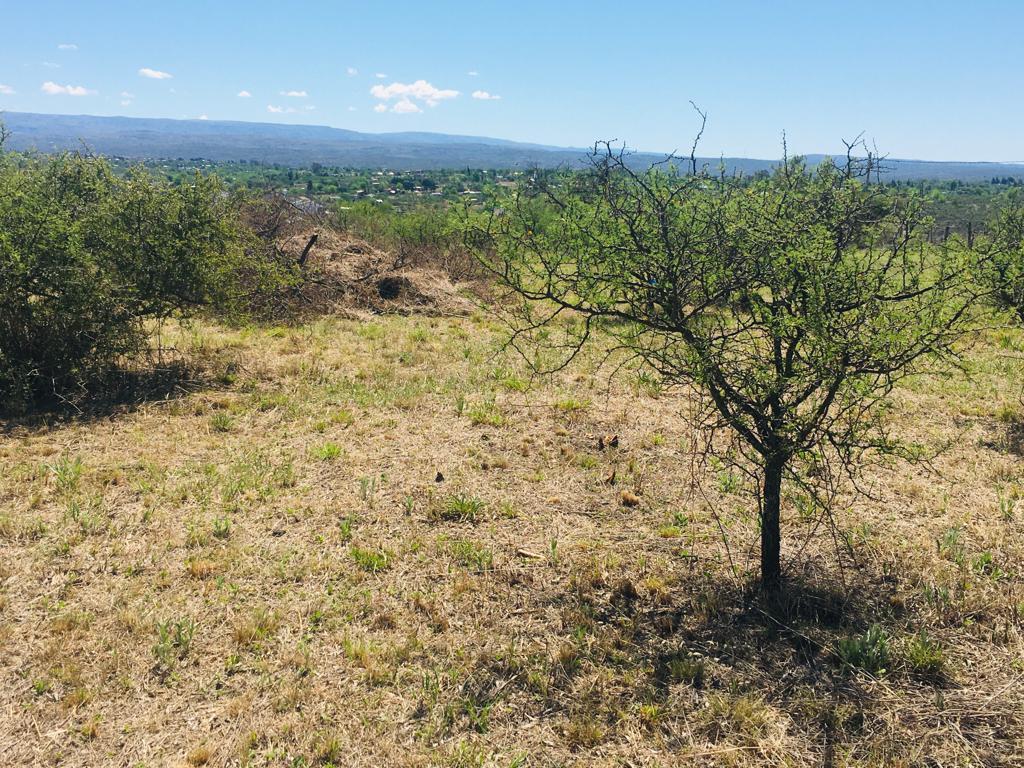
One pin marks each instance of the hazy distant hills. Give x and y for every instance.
(302, 145)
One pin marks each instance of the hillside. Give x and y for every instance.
(302, 145)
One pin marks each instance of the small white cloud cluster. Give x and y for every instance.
(67, 47)
(243, 94)
(295, 94)
(485, 96)
(288, 110)
(351, 71)
(405, 96)
(155, 74)
(54, 89)
(6, 90)
(126, 98)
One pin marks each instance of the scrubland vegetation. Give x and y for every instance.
(524, 527)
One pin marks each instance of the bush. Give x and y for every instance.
(87, 258)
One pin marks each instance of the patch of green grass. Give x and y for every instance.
(868, 652)
(460, 508)
(221, 422)
(67, 473)
(924, 655)
(327, 452)
(222, 528)
(486, 413)
(571, 405)
(471, 555)
(345, 527)
(515, 384)
(174, 641)
(372, 560)
(687, 669)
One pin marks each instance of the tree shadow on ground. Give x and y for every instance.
(717, 662)
(119, 392)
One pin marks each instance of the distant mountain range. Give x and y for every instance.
(302, 145)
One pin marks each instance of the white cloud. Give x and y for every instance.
(421, 90)
(295, 94)
(244, 95)
(485, 96)
(275, 110)
(404, 106)
(381, 108)
(51, 65)
(126, 98)
(202, 117)
(6, 90)
(53, 89)
(67, 47)
(353, 109)
(155, 74)
(351, 71)
(126, 102)
(472, 73)
(380, 76)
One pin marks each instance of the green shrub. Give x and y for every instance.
(88, 258)
(868, 652)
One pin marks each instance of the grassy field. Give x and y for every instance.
(378, 543)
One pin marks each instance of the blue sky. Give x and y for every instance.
(931, 80)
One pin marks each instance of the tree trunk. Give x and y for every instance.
(771, 535)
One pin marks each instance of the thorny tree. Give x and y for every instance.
(793, 302)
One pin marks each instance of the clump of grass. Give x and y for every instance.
(471, 555)
(270, 401)
(174, 641)
(743, 718)
(460, 508)
(221, 422)
(868, 652)
(284, 475)
(687, 669)
(257, 627)
(344, 417)
(222, 528)
(67, 473)
(329, 451)
(951, 545)
(328, 750)
(924, 656)
(345, 528)
(571, 405)
(372, 560)
(582, 733)
(486, 413)
(514, 383)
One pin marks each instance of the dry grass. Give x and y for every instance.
(377, 546)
